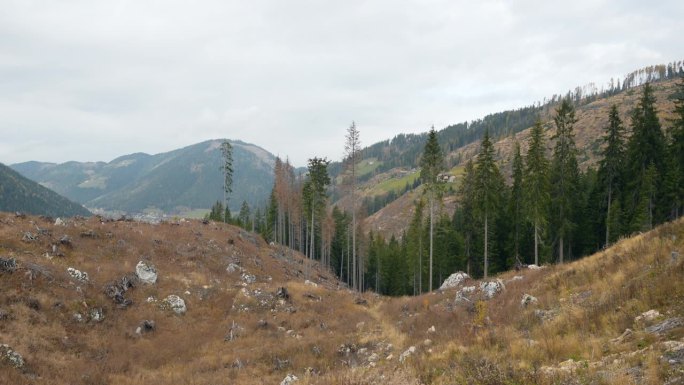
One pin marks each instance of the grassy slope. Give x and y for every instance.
(487, 342)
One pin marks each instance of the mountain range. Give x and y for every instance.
(173, 182)
(17, 193)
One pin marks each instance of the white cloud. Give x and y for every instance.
(106, 78)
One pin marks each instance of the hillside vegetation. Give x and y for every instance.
(18, 193)
(256, 314)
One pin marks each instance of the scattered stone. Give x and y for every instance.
(146, 326)
(666, 326)
(248, 278)
(427, 342)
(431, 329)
(360, 325)
(515, 279)
(146, 273)
(313, 297)
(674, 352)
(546, 315)
(78, 275)
(647, 317)
(8, 265)
(262, 324)
(289, 379)
(534, 267)
(374, 357)
(10, 357)
(88, 234)
(5, 315)
(29, 237)
(232, 267)
(78, 317)
(59, 222)
(454, 280)
(97, 314)
(282, 293)
(491, 288)
(407, 353)
(19, 214)
(528, 300)
(175, 303)
(462, 294)
(309, 283)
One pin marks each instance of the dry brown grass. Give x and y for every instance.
(594, 300)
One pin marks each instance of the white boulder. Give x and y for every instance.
(407, 353)
(289, 379)
(78, 275)
(528, 300)
(176, 303)
(491, 288)
(11, 357)
(146, 273)
(454, 280)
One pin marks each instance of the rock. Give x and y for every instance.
(65, 240)
(374, 357)
(5, 315)
(78, 275)
(546, 315)
(78, 317)
(427, 342)
(534, 267)
(8, 265)
(282, 293)
(96, 314)
(59, 222)
(647, 317)
(674, 352)
(29, 237)
(528, 300)
(666, 326)
(309, 283)
(175, 303)
(146, 326)
(248, 278)
(491, 288)
(232, 267)
(146, 273)
(407, 353)
(289, 379)
(454, 280)
(516, 278)
(262, 324)
(10, 357)
(431, 329)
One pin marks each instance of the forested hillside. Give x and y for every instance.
(546, 184)
(18, 193)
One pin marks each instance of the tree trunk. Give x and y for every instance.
(486, 245)
(560, 247)
(610, 192)
(536, 243)
(431, 231)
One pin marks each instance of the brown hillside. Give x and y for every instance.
(237, 330)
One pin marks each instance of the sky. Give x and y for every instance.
(93, 80)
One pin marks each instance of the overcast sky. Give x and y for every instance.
(93, 80)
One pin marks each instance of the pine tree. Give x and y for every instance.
(564, 176)
(489, 184)
(227, 168)
(466, 220)
(517, 199)
(537, 189)
(675, 175)
(432, 164)
(244, 216)
(611, 166)
(646, 146)
(352, 151)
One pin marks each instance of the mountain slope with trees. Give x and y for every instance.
(18, 193)
(173, 182)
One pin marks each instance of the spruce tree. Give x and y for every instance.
(467, 193)
(675, 177)
(646, 146)
(517, 199)
(611, 167)
(489, 183)
(432, 164)
(537, 189)
(564, 176)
